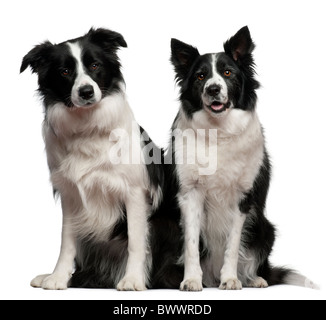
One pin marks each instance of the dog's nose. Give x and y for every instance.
(213, 90)
(86, 92)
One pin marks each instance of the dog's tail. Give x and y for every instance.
(282, 275)
(297, 279)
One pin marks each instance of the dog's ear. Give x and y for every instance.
(240, 45)
(107, 39)
(36, 57)
(182, 57)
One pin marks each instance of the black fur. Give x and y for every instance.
(166, 240)
(56, 67)
(192, 70)
(240, 48)
(188, 64)
(97, 262)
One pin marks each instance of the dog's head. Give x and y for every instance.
(79, 72)
(216, 82)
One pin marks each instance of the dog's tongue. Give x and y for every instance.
(217, 107)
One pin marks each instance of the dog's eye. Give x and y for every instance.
(94, 66)
(227, 73)
(200, 76)
(65, 72)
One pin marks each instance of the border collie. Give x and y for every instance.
(90, 137)
(227, 238)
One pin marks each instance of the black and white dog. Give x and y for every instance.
(223, 170)
(122, 208)
(94, 151)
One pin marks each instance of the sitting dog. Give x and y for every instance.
(95, 156)
(223, 171)
(130, 222)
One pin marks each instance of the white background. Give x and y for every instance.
(290, 58)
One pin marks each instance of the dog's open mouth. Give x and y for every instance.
(218, 107)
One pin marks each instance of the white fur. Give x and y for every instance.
(82, 78)
(216, 79)
(191, 204)
(229, 276)
(93, 190)
(300, 280)
(239, 155)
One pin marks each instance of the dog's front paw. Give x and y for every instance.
(191, 285)
(231, 284)
(51, 282)
(131, 283)
(37, 281)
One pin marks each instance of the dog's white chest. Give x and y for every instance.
(90, 171)
(233, 163)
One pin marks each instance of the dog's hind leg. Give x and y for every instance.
(259, 282)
